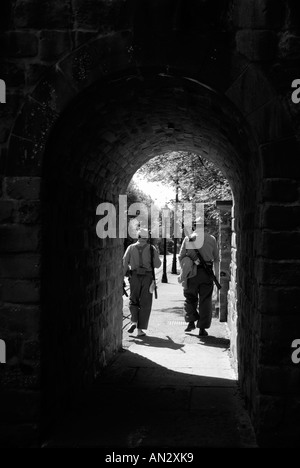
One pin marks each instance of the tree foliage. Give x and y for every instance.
(195, 178)
(136, 195)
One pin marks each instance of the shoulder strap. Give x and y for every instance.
(152, 255)
(197, 251)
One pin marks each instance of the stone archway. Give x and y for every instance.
(148, 99)
(97, 147)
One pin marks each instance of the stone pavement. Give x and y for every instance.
(169, 389)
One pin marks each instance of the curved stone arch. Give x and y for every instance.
(63, 155)
(89, 64)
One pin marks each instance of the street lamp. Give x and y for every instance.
(164, 278)
(174, 262)
(164, 228)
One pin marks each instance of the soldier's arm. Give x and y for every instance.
(126, 259)
(182, 252)
(157, 260)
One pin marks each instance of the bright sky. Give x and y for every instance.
(159, 193)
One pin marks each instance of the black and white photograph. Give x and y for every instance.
(150, 227)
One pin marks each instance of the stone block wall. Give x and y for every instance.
(232, 312)
(225, 254)
(20, 266)
(81, 296)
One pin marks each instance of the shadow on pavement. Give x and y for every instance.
(214, 341)
(137, 403)
(157, 342)
(173, 309)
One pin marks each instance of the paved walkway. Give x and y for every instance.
(169, 389)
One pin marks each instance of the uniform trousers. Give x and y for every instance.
(198, 295)
(140, 300)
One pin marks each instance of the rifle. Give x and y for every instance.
(152, 265)
(208, 269)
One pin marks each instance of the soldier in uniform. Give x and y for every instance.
(199, 285)
(137, 259)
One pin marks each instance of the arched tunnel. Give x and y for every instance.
(104, 142)
(132, 82)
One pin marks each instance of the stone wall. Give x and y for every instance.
(232, 309)
(225, 255)
(20, 263)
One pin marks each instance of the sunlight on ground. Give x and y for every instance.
(201, 358)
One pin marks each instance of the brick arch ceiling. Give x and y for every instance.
(114, 128)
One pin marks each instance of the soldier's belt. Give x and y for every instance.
(142, 271)
(210, 264)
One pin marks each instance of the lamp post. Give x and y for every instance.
(164, 278)
(164, 229)
(174, 262)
